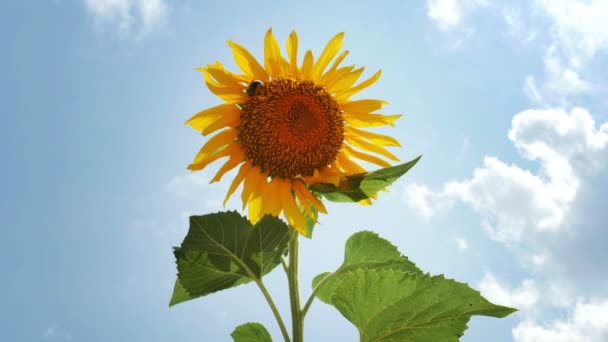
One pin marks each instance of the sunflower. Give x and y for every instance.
(290, 126)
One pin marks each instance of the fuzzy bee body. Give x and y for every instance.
(254, 87)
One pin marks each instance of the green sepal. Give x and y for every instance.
(362, 186)
(251, 332)
(224, 250)
(310, 222)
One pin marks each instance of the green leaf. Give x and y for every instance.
(389, 305)
(179, 294)
(364, 250)
(251, 332)
(388, 298)
(363, 185)
(310, 222)
(224, 250)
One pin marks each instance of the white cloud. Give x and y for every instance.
(153, 13)
(513, 201)
(531, 90)
(449, 14)
(55, 334)
(188, 184)
(540, 259)
(516, 26)
(450, 17)
(579, 26)
(509, 199)
(562, 79)
(462, 244)
(588, 323)
(524, 297)
(548, 135)
(129, 17)
(195, 185)
(424, 201)
(577, 32)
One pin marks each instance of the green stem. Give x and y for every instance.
(314, 294)
(265, 292)
(273, 307)
(285, 267)
(294, 292)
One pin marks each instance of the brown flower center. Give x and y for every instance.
(291, 127)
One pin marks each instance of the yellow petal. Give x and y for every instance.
(346, 82)
(255, 210)
(366, 201)
(233, 162)
(292, 213)
(285, 68)
(231, 149)
(364, 156)
(330, 81)
(202, 120)
(370, 120)
(231, 120)
(307, 64)
(230, 94)
(247, 63)
(335, 65)
(346, 94)
(331, 174)
(310, 198)
(365, 145)
(258, 199)
(213, 145)
(304, 201)
(348, 165)
(272, 199)
(292, 52)
(362, 106)
(376, 138)
(239, 77)
(222, 76)
(331, 50)
(252, 181)
(272, 54)
(237, 180)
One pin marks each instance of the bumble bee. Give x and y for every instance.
(254, 87)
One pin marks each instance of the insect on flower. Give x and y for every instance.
(254, 87)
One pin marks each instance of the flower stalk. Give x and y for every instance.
(294, 291)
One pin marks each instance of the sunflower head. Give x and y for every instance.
(289, 126)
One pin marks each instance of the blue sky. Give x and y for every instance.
(506, 100)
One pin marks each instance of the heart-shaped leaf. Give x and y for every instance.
(389, 305)
(364, 250)
(251, 332)
(223, 250)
